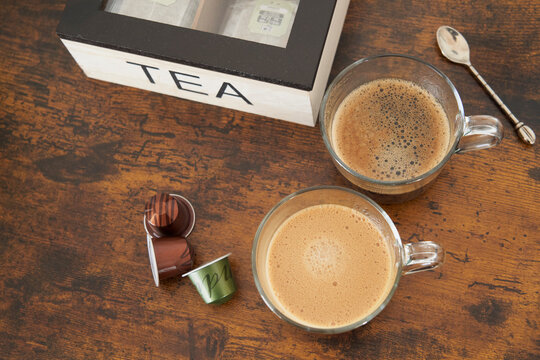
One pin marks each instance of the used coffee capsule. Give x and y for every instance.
(168, 215)
(214, 280)
(169, 257)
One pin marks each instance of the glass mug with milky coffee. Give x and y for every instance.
(391, 123)
(328, 259)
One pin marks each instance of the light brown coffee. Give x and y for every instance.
(328, 266)
(390, 129)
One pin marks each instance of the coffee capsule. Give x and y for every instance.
(169, 257)
(214, 280)
(168, 215)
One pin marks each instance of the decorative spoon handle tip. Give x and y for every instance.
(526, 134)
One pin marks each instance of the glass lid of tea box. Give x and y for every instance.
(277, 41)
(263, 21)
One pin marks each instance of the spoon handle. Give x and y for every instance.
(525, 133)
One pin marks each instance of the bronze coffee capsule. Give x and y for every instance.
(169, 257)
(168, 215)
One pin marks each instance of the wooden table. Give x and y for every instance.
(78, 159)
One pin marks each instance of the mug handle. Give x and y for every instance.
(480, 132)
(421, 256)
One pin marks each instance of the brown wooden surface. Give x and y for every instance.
(78, 159)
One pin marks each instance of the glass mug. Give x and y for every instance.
(466, 132)
(407, 259)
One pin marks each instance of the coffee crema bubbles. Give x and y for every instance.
(390, 130)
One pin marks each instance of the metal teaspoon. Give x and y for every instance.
(455, 48)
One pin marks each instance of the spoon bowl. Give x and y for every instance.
(453, 45)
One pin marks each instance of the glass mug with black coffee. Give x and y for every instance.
(391, 123)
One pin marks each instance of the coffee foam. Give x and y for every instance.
(329, 266)
(390, 129)
(323, 256)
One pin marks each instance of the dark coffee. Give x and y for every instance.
(390, 130)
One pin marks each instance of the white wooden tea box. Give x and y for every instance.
(268, 57)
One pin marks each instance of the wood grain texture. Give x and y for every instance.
(79, 158)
